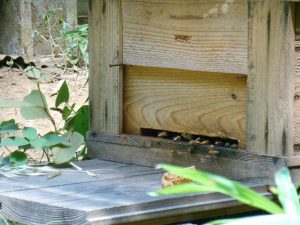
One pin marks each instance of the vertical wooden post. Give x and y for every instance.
(105, 65)
(270, 78)
(26, 28)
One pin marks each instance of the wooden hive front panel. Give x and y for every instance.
(185, 101)
(186, 34)
(189, 36)
(161, 44)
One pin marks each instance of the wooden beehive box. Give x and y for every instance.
(222, 69)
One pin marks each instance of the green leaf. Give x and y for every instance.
(14, 142)
(8, 126)
(287, 193)
(18, 158)
(38, 108)
(187, 188)
(297, 185)
(33, 106)
(67, 111)
(66, 153)
(39, 143)
(80, 122)
(63, 94)
(32, 72)
(226, 186)
(14, 104)
(54, 139)
(30, 133)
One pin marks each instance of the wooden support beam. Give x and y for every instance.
(147, 151)
(271, 78)
(105, 65)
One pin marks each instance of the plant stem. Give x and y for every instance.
(46, 153)
(46, 108)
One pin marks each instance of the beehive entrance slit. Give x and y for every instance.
(186, 137)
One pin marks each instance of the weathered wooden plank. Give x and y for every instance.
(180, 209)
(103, 194)
(294, 161)
(180, 215)
(36, 213)
(186, 34)
(271, 78)
(109, 202)
(105, 70)
(203, 103)
(150, 151)
(102, 170)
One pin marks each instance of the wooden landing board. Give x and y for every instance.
(210, 104)
(186, 34)
(117, 194)
(234, 163)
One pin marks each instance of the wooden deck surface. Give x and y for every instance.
(117, 194)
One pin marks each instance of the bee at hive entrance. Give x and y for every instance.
(191, 139)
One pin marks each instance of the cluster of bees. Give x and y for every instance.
(196, 140)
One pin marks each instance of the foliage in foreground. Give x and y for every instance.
(70, 42)
(66, 140)
(288, 212)
(61, 144)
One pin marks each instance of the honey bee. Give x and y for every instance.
(177, 138)
(205, 142)
(187, 136)
(194, 142)
(162, 134)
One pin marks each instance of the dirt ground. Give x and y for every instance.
(14, 84)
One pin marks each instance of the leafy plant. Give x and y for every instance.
(71, 42)
(206, 182)
(59, 145)
(76, 44)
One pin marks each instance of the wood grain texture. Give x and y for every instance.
(182, 214)
(271, 78)
(36, 213)
(105, 40)
(103, 170)
(110, 200)
(237, 164)
(203, 103)
(297, 99)
(186, 34)
(293, 161)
